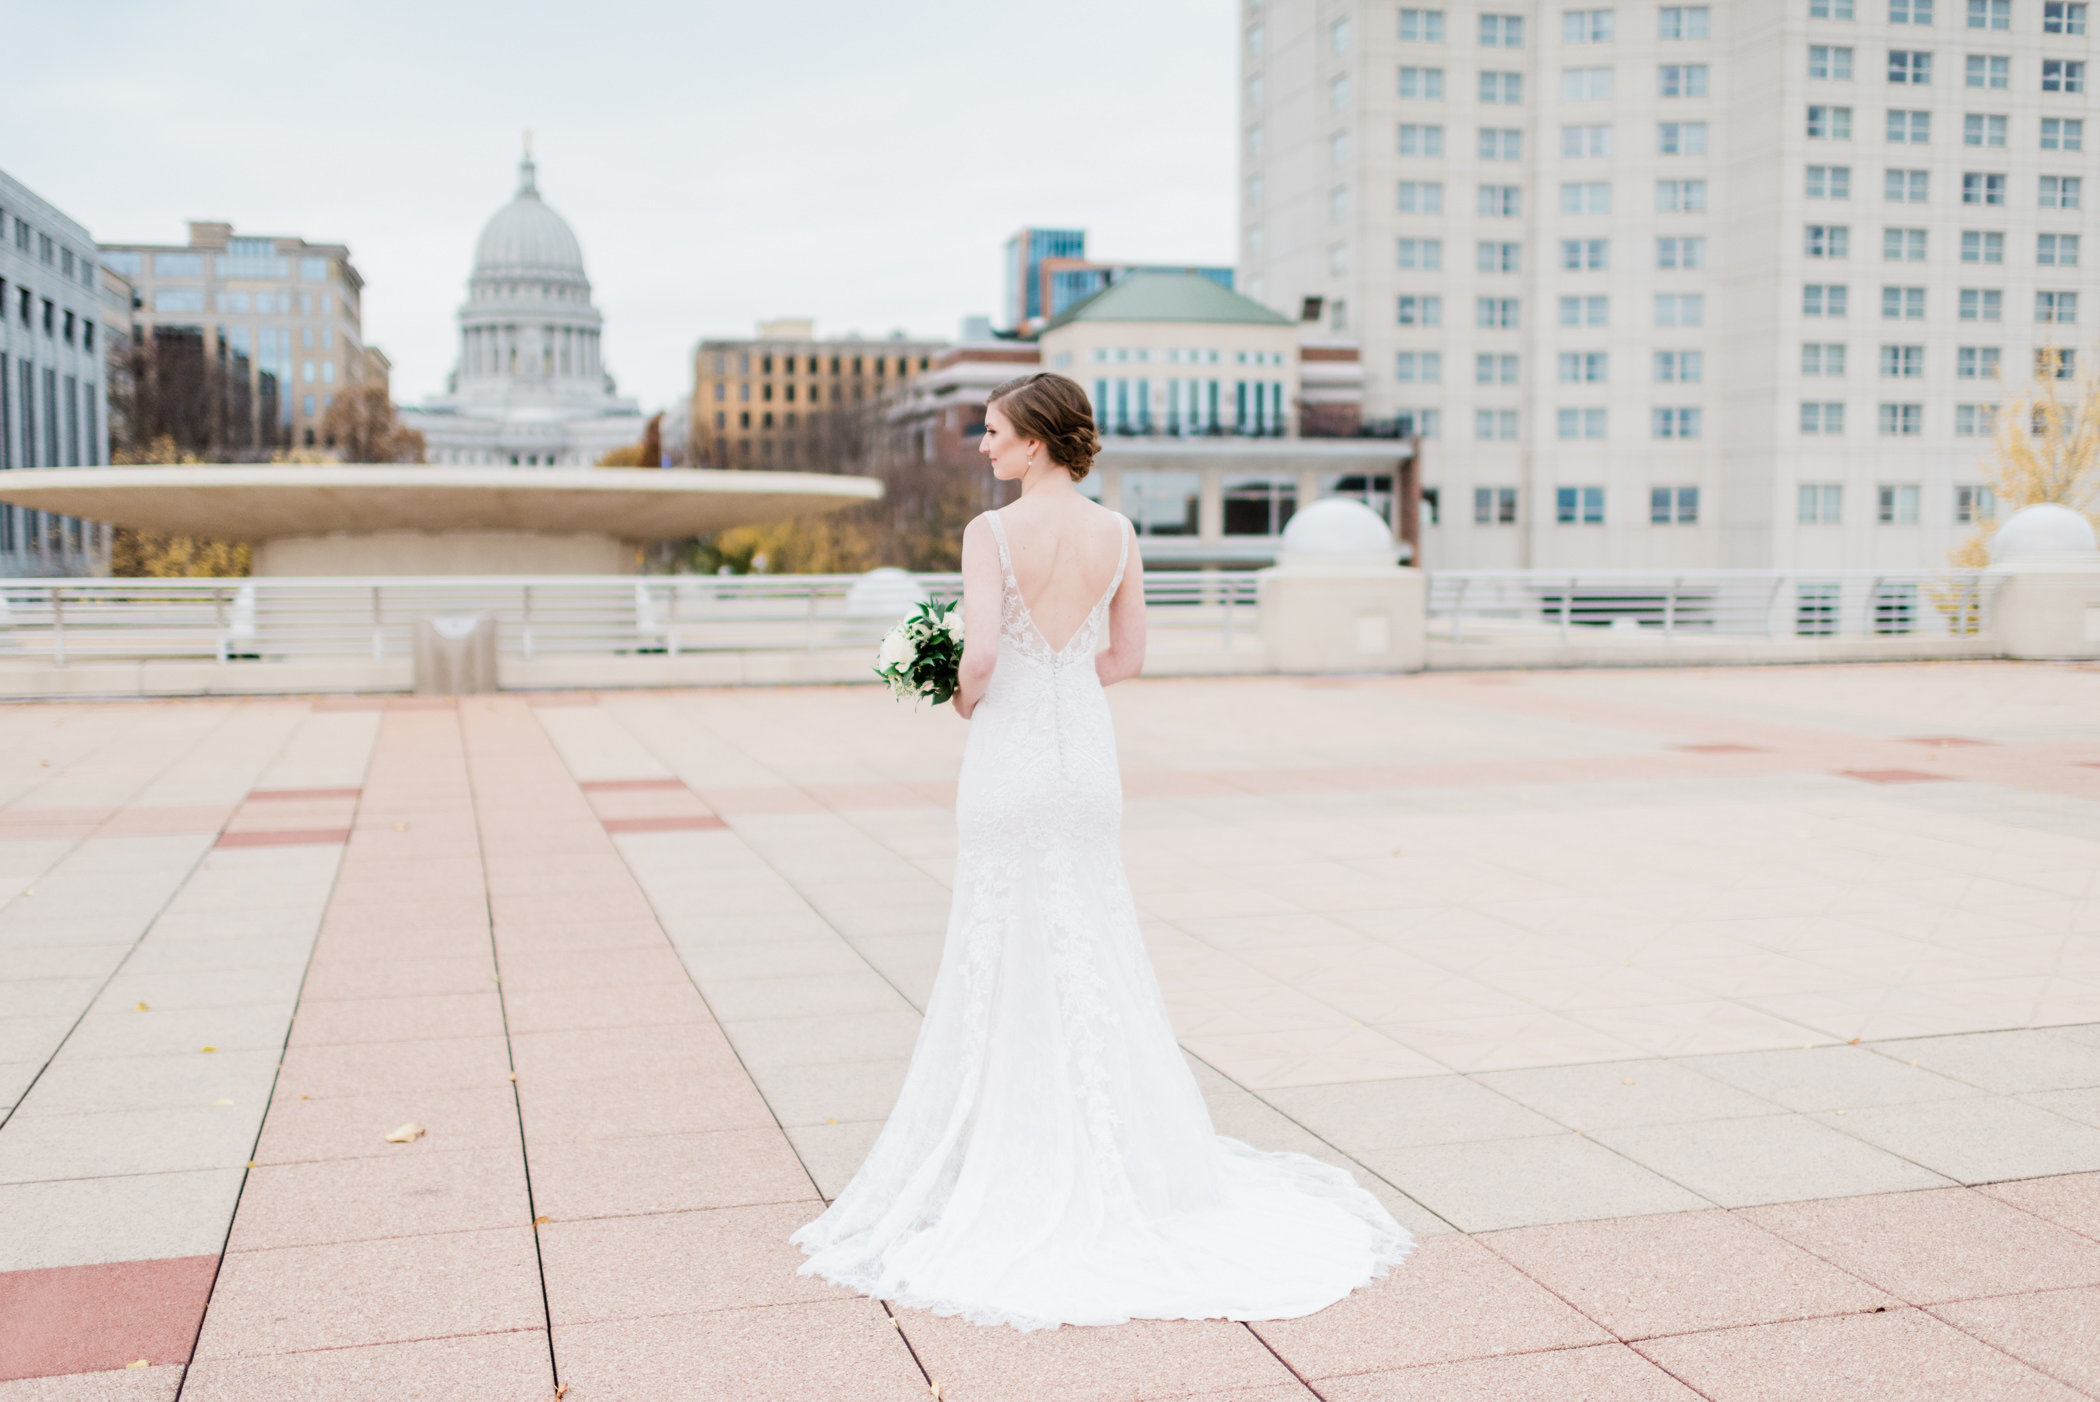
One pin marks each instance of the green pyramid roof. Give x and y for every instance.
(1159, 296)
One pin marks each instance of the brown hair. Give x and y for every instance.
(1055, 412)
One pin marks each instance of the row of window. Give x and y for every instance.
(1817, 504)
(1576, 367)
(1502, 313)
(46, 429)
(1499, 88)
(1908, 304)
(244, 259)
(1577, 255)
(59, 323)
(1576, 26)
(1833, 63)
(1985, 130)
(1915, 186)
(1507, 143)
(814, 394)
(1507, 201)
(1830, 241)
(814, 364)
(2058, 16)
(1142, 355)
(1827, 419)
(34, 243)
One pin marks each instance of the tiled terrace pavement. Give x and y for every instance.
(1722, 1034)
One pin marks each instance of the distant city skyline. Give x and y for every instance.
(716, 170)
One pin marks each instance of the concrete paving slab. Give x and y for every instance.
(139, 1083)
(1773, 1158)
(785, 1353)
(2012, 1062)
(149, 1384)
(38, 1148)
(1408, 1113)
(1623, 1094)
(676, 1263)
(1486, 1185)
(506, 1367)
(90, 1221)
(1829, 1077)
(1978, 1139)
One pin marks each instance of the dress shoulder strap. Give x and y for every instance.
(1006, 562)
(1122, 560)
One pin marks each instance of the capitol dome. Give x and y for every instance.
(526, 239)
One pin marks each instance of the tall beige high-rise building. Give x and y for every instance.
(278, 316)
(1730, 284)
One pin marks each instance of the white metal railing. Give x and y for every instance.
(1673, 605)
(66, 621)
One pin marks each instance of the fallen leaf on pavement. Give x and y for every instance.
(142, 1363)
(407, 1134)
(142, 1008)
(1853, 1043)
(209, 1049)
(222, 1102)
(541, 1221)
(560, 1392)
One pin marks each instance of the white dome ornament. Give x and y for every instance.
(2045, 536)
(1338, 533)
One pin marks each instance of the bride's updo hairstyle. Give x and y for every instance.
(1054, 411)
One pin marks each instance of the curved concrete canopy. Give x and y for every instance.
(268, 501)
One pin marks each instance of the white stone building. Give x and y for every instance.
(529, 389)
(1729, 284)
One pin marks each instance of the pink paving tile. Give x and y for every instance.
(398, 978)
(461, 940)
(82, 1319)
(634, 1005)
(158, 1383)
(1451, 1299)
(623, 1107)
(1903, 1355)
(652, 1055)
(1892, 776)
(594, 908)
(300, 795)
(1606, 1373)
(1722, 747)
(2071, 1201)
(676, 822)
(368, 1199)
(594, 786)
(156, 822)
(1937, 741)
(666, 1173)
(678, 1263)
(1680, 1272)
(393, 1067)
(413, 1019)
(304, 1130)
(1144, 1359)
(2057, 1331)
(373, 1292)
(583, 937)
(1938, 1244)
(405, 917)
(507, 1367)
(605, 968)
(284, 837)
(784, 1353)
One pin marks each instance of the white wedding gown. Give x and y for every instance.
(1050, 1159)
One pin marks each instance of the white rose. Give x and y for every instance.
(955, 623)
(896, 650)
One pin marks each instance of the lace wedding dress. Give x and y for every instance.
(1050, 1159)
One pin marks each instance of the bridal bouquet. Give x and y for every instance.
(922, 655)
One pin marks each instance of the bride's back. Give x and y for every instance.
(1065, 551)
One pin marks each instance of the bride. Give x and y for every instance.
(1050, 1159)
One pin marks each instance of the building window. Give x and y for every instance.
(1581, 141)
(1903, 245)
(1578, 505)
(1426, 84)
(1338, 94)
(1823, 299)
(1902, 420)
(1682, 80)
(1902, 304)
(1338, 150)
(1824, 359)
(1337, 205)
(1421, 197)
(1896, 505)
(1910, 11)
(1910, 128)
(1987, 71)
(1419, 140)
(1981, 304)
(1680, 308)
(1585, 311)
(1495, 370)
(1827, 241)
(1680, 367)
(1972, 504)
(2063, 75)
(1584, 367)
(1676, 423)
(1681, 252)
(1680, 138)
(1680, 196)
(1258, 506)
(2061, 191)
(1982, 246)
(2058, 16)
(2055, 363)
(1582, 197)
(1990, 14)
(1975, 420)
(1826, 61)
(1980, 129)
(1902, 362)
(1585, 255)
(1501, 31)
(1822, 418)
(1162, 503)
(1421, 311)
(1830, 9)
(1504, 88)
(1499, 257)
(2063, 134)
(1976, 362)
(1494, 506)
(1685, 22)
(1427, 254)
(1820, 503)
(2056, 308)
(2056, 250)
(1906, 186)
(1338, 37)
(1577, 424)
(1424, 26)
(1585, 85)
(1673, 506)
(1829, 182)
(1829, 123)
(1586, 26)
(1501, 201)
(1501, 144)
(1419, 367)
(1910, 66)
(1495, 425)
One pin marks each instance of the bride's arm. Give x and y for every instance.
(982, 592)
(1124, 657)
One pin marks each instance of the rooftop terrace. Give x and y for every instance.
(1727, 1034)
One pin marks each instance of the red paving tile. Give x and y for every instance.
(665, 1173)
(1722, 748)
(1902, 1355)
(1680, 1272)
(2071, 1201)
(2057, 1331)
(1939, 740)
(1451, 1299)
(84, 1319)
(368, 1199)
(1607, 1373)
(594, 786)
(303, 1130)
(1938, 1244)
(507, 1367)
(1145, 1358)
(299, 795)
(678, 1263)
(686, 822)
(618, 1108)
(629, 1005)
(1892, 776)
(381, 1068)
(818, 1352)
(315, 837)
(404, 1019)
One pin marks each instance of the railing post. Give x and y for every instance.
(1567, 608)
(812, 616)
(526, 631)
(671, 620)
(378, 629)
(218, 598)
(1458, 606)
(1670, 611)
(58, 625)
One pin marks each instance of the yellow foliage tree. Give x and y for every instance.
(2047, 448)
(647, 453)
(136, 554)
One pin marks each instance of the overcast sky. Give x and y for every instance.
(859, 163)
